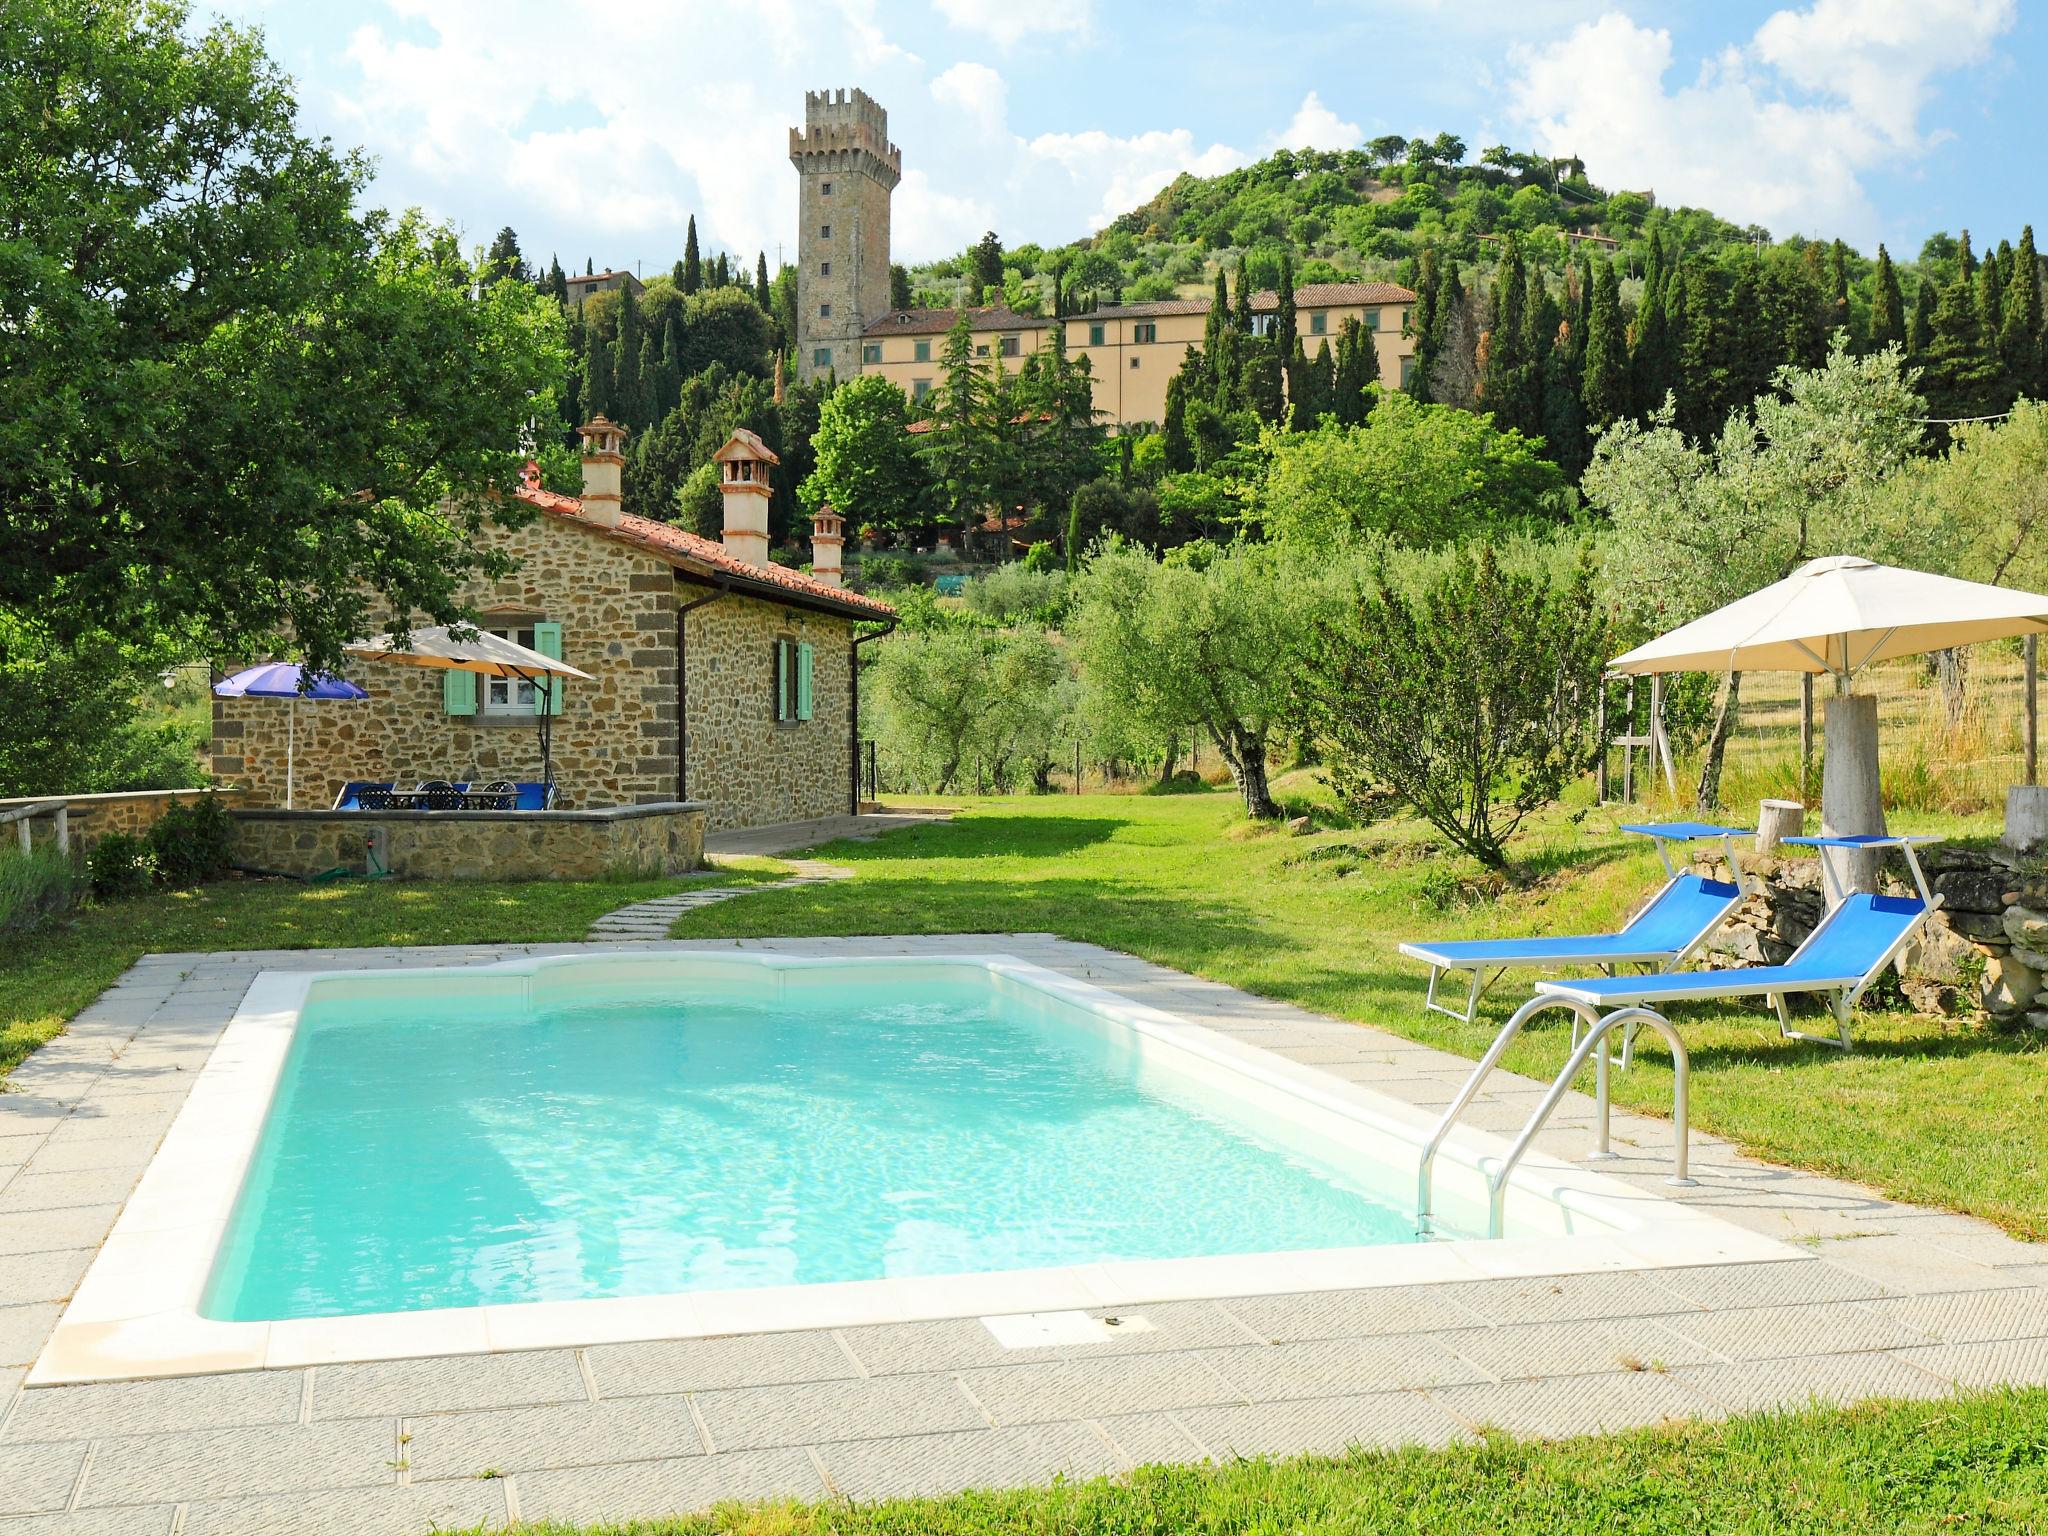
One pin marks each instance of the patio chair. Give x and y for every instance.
(1675, 923)
(350, 798)
(497, 795)
(439, 795)
(1842, 957)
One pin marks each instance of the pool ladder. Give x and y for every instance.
(1594, 1040)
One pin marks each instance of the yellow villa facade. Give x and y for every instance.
(1133, 349)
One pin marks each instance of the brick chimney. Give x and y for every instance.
(743, 468)
(604, 442)
(827, 537)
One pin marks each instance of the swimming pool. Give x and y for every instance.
(595, 1147)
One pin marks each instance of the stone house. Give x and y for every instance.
(716, 675)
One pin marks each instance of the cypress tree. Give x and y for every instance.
(1509, 385)
(1838, 286)
(2020, 340)
(1887, 306)
(1962, 374)
(1179, 457)
(1605, 390)
(1241, 315)
(1324, 371)
(597, 376)
(1422, 322)
(1218, 317)
(1356, 366)
(589, 267)
(1450, 304)
(761, 280)
(693, 265)
(1283, 324)
(1991, 298)
(1303, 399)
(1966, 260)
(558, 280)
(627, 392)
(1651, 362)
(1920, 330)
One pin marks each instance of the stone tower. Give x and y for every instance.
(846, 169)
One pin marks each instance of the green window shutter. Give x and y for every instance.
(547, 639)
(782, 680)
(458, 692)
(803, 681)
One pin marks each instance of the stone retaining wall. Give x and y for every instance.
(644, 840)
(92, 817)
(1986, 947)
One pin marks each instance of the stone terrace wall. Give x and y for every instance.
(614, 742)
(1986, 947)
(753, 770)
(649, 840)
(92, 817)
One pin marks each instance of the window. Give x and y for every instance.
(824, 189)
(1319, 324)
(791, 681)
(1145, 331)
(464, 693)
(920, 351)
(824, 311)
(981, 349)
(919, 388)
(1407, 371)
(1262, 325)
(871, 352)
(824, 269)
(1008, 346)
(1134, 360)
(822, 358)
(1372, 319)
(824, 231)
(1094, 335)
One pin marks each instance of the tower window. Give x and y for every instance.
(822, 358)
(824, 231)
(824, 189)
(871, 352)
(824, 269)
(824, 311)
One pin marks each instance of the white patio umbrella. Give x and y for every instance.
(485, 654)
(1838, 615)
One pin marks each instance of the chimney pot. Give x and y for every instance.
(744, 465)
(604, 458)
(828, 537)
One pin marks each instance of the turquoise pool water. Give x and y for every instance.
(423, 1154)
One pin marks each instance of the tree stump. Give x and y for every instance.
(1851, 801)
(1777, 820)
(2026, 817)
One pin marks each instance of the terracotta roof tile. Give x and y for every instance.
(707, 555)
(933, 322)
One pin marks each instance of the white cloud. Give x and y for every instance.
(1128, 170)
(1315, 126)
(978, 91)
(1009, 22)
(1777, 131)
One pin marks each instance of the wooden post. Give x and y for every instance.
(1777, 820)
(21, 831)
(1806, 736)
(64, 829)
(1851, 800)
(1600, 735)
(2033, 654)
(1077, 767)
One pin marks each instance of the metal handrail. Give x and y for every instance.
(1596, 1034)
(1480, 1073)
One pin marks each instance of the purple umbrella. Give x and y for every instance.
(287, 680)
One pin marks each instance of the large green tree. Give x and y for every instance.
(235, 412)
(866, 469)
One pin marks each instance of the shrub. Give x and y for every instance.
(120, 865)
(1185, 782)
(189, 843)
(34, 887)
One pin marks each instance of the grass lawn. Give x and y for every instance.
(1945, 1112)
(1976, 1464)
(49, 975)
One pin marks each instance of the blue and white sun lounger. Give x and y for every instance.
(1843, 956)
(1665, 933)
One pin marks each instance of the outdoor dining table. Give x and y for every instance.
(438, 800)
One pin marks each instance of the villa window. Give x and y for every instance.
(792, 681)
(1146, 331)
(920, 351)
(1094, 335)
(1134, 360)
(1262, 325)
(871, 352)
(1009, 346)
(822, 358)
(1407, 371)
(919, 388)
(1319, 324)
(1372, 319)
(981, 349)
(466, 693)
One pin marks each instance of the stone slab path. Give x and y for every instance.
(1879, 1299)
(653, 919)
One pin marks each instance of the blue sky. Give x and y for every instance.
(595, 129)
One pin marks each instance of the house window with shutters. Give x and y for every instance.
(469, 693)
(795, 663)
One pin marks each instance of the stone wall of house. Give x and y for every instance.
(92, 817)
(752, 769)
(614, 742)
(1985, 948)
(648, 840)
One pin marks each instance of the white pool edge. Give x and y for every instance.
(136, 1314)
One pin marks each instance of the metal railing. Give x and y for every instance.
(1597, 1028)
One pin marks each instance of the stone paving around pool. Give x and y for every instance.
(1886, 1300)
